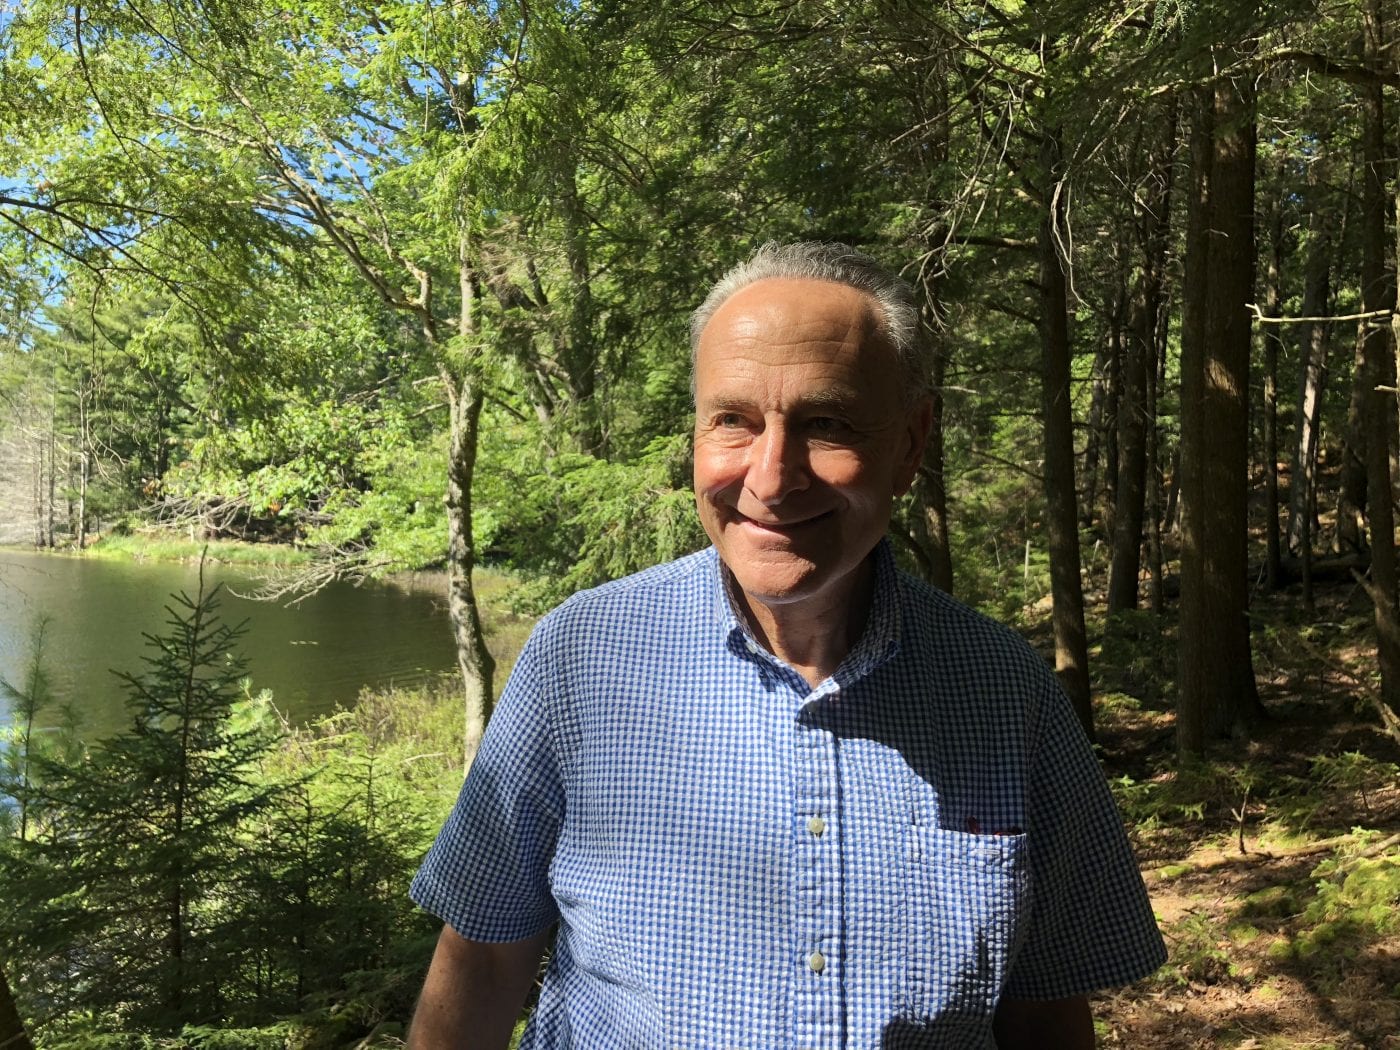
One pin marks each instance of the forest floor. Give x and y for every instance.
(1273, 867)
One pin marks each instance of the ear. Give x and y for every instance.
(914, 439)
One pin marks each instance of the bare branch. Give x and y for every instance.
(1261, 318)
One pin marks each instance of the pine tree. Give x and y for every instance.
(123, 901)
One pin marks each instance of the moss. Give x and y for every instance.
(1312, 941)
(1243, 933)
(1271, 902)
(1282, 949)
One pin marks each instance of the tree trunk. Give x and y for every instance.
(1219, 693)
(84, 468)
(1350, 534)
(1273, 338)
(1132, 462)
(1113, 407)
(466, 398)
(1062, 519)
(580, 358)
(52, 457)
(1190, 710)
(1313, 340)
(1098, 398)
(12, 1032)
(1378, 373)
(1136, 411)
(37, 475)
(933, 497)
(1154, 499)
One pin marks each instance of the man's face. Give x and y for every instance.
(803, 437)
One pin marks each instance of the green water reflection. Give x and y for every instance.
(313, 656)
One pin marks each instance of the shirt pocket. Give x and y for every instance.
(968, 897)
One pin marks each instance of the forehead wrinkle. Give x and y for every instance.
(746, 318)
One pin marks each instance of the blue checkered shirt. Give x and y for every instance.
(738, 860)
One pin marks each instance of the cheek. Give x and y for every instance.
(849, 472)
(717, 468)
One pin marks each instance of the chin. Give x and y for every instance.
(780, 588)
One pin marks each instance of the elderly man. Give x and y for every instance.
(778, 794)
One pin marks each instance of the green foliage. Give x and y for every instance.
(1197, 953)
(575, 521)
(215, 878)
(1354, 771)
(1357, 895)
(125, 889)
(1148, 804)
(1277, 902)
(20, 746)
(1137, 655)
(167, 545)
(396, 514)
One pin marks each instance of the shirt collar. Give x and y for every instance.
(877, 643)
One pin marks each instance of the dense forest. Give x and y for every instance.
(406, 285)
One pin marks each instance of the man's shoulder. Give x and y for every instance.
(682, 586)
(934, 618)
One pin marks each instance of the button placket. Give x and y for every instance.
(818, 1005)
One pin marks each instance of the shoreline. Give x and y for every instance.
(169, 548)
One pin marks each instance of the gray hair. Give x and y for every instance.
(897, 313)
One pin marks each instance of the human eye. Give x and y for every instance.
(728, 421)
(828, 428)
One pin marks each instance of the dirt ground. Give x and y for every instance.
(1294, 942)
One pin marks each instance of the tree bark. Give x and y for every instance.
(84, 466)
(12, 1032)
(1230, 699)
(932, 482)
(580, 355)
(1132, 466)
(1313, 340)
(1273, 339)
(1190, 705)
(1154, 485)
(1350, 534)
(466, 398)
(1136, 413)
(52, 455)
(1113, 398)
(1093, 445)
(1378, 370)
(1062, 519)
(934, 494)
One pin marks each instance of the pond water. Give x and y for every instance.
(314, 656)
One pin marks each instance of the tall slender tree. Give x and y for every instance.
(1216, 687)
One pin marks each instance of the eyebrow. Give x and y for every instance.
(830, 399)
(820, 399)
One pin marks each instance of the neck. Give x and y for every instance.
(814, 635)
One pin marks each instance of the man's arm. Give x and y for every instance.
(1050, 1024)
(474, 992)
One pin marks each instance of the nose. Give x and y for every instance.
(777, 465)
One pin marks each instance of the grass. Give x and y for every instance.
(169, 546)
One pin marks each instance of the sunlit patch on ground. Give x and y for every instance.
(1294, 942)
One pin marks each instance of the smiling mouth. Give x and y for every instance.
(783, 528)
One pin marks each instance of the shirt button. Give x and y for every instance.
(816, 826)
(817, 962)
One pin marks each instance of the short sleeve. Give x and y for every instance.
(487, 875)
(1091, 924)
